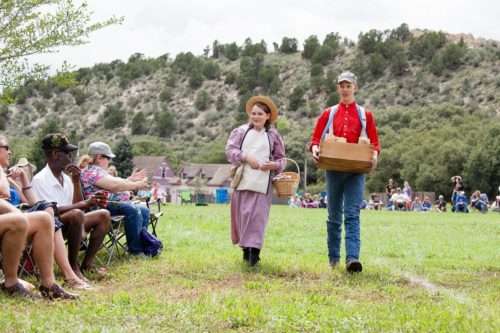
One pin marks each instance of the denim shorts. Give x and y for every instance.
(40, 206)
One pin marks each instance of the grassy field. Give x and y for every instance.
(422, 273)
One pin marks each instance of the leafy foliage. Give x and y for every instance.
(123, 159)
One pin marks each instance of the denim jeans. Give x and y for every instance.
(345, 192)
(145, 216)
(133, 224)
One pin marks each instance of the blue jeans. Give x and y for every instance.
(345, 192)
(133, 224)
(145, 216)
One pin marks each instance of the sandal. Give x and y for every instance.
(100, 272)
(18, 290)
(56, 292)
(77, 284)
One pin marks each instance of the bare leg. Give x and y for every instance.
(13, 229)
(97, 223)
(62, 258)
(73, 229)
(41, 233)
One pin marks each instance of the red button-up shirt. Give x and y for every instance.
(346, 124)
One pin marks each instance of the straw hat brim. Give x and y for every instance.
(264, 100)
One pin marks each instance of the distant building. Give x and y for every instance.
(159, 170)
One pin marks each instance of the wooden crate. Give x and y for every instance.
(345, 157)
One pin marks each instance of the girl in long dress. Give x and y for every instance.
(261, 152)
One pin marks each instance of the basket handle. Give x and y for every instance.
(298, 169)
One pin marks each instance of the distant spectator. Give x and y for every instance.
(409, 193)
(308, 202)
(417, 205)
(458, 186)
(441, 204)
(389, 191)
(460, 203)
(479, 201)
(322, 202)
(295, 201)
(495, 206)
(426, 205)
(375, 203)
(399, 200)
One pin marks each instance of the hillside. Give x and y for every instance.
(185, 107)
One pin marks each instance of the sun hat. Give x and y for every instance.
(57, 141)
(264, 100)
(100, 148)
(347, 76)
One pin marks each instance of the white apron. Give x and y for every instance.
(255, 144)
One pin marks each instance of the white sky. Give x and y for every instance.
(156, 27)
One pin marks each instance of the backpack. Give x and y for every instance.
(151, 245)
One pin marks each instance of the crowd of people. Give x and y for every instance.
(64, 201)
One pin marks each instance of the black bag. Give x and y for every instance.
(151, 245)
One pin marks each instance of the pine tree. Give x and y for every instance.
(123, 158)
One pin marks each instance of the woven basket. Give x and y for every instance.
(286, 188)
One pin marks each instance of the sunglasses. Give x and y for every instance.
(6, 147)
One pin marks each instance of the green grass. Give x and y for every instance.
(422, 273)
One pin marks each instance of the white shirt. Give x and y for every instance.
(47, 187)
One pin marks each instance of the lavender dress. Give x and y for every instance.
(250, 210)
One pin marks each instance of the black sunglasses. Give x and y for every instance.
(6, 147)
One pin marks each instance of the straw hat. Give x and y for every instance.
(264, 100)
(27, 166)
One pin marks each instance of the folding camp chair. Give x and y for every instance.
(27, 266)
(185, 196)
(154, 217)
(116, 244)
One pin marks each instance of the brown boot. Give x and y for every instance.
(56, 292)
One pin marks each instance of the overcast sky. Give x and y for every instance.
(156, 27)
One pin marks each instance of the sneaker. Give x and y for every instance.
(354, 266)
(333, 263)
(141, 255)
(77, 284)
(18, 290)
(56, 292)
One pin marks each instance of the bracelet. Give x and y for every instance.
(26, 188)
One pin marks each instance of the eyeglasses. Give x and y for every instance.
(5, 146)
(106, 157)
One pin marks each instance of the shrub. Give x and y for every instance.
(202, 101)
(288, 45)
(139, 124)
(296, 98)
(113, 117)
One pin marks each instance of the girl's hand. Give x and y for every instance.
(269, 166)
(252, 162)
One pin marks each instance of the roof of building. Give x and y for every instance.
(221, 175)
(152, 164)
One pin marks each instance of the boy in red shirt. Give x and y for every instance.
(345, 190)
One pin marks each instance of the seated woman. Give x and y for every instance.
(417, 205)
(375, 203)
(479, 201)
(426, 205)
(495, 206)
(95, 178)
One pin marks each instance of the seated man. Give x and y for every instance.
(39, 230)
(479, 201)
(23, 190)
(461, 202)
(441, 204)
(399, 200)
(53, 185)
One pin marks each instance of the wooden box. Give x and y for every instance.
(345, 157)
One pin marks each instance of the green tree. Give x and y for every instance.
(401, 33)
(123, 159)
(40, 26)
(296, 98)
(165, 123)
(452, 56)
(139, 124)
(232, 51)
(289, 45)
(114, 117)
(211, 70)
(311, 44)
(376, 64)
(203, 100)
